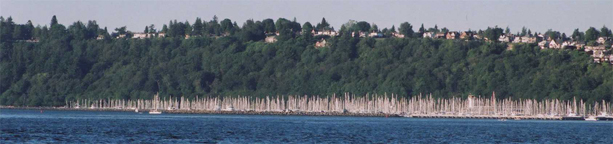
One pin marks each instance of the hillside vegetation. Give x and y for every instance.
(63, 66)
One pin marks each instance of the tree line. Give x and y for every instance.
(69, 63)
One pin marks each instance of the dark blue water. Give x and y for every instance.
(127, 127)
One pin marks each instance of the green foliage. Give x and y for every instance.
(406, 29)
(63, 67)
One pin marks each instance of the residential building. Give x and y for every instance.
(440, 35)
(397, 35)
(452, 35)
(504, 38)
(321, 43)
(428, 35)
(554, 44)
(602, 40)
(466, 35)
(270, 39)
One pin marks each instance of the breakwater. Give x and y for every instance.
(366, 105)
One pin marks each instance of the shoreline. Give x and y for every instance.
(274, 113)
(339, 114)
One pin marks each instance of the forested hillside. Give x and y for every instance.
(70, 63)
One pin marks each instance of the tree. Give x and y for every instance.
(323, 25)
(374, 28)
(146, 29)
(307, 28)
(591, 34)
(577, 35)
(198, 28)
(227, 26)
(269, 26)
(406, 29)
(507, 30)
(422, 29)
(121, 30)
(362, 26)
(493, 33)
(605, 32)
(53, 21)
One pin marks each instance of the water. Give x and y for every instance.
(31, 126)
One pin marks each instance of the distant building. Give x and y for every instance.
(321, 43)
(517, 40)
(602, 40)
(375, 34)
(140, 35)
(542, 44)
(440, 35)
(527, 39)
(428, 35)
(477, 36)
(270, 39)
(361, 34)
(452, 35)
(554, 44)
(569, 45)
(324, 32)
(466, 35)
(504, 38)
(397, 35)
(100, 37)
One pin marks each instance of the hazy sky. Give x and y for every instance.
(560, 15)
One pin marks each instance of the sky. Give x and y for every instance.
(537, 15)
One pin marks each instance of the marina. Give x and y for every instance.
(472, 107)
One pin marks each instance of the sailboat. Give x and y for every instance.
(155, 102)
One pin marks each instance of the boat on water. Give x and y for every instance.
(155, 112)
(136, 110)
(591, 118)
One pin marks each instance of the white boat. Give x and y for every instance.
(591, 118)
(155, 112)
(136, 110)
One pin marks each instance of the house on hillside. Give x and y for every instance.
(270, 39)
(504, 38)
(542, 44)
(452, 35)
(397, 35)
(569, 45)
(598, 56)
(324, 32)
(375, 34)
(440, 35)
(553, 44)
(100, 37)
(321, 43)
(161, 34)
(602, 40)
(517, 40)
(477, 36)
(594, 48)
(140, 35)
(527, 39)
(466, 35)
(361, 34)
(428, 35)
